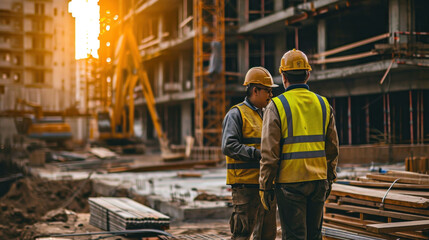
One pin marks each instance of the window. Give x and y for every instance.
(4, 75)
(39, 60)
(39, 8)
(16, 77)
(6, 57)
(39, 76)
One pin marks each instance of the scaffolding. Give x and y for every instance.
(209, 87)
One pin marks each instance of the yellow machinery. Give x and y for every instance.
(115, 125)
(37, 126)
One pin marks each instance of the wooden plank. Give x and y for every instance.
(392, 236)
(407, 174)
(398, 226)
(424, 194)
(165, 166)
(386, 206)
(377, 196)
(387, 178)
(383, 185)
(376, 212)
(102, 152)
(352, 221)
(358, 230)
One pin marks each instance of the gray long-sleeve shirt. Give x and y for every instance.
(232, 136)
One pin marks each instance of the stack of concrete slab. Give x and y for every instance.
(118, 214)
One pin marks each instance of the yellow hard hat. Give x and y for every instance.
(294, 60)
(259, 75)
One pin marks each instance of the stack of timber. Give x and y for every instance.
(371, 208)
(119, 214)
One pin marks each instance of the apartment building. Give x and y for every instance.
(37, 53)
(369, 58)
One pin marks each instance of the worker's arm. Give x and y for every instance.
(232, 138)
(270, 147)
(332, 148)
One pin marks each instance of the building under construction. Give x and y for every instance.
(369, 58)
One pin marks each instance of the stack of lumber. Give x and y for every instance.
(358, 206)
(119, 214)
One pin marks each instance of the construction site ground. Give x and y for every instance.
(45, 200)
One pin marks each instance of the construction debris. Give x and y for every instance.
(383, 213)
(118, 214)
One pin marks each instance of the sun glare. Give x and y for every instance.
(87, 15)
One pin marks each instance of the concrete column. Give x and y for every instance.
(160, 77)
(144, 120)
(278, 5)
(160, 25)
(280, 49)
(181, 60)
(321, 38)
(186, 121)
(243, 56)
(242, 6)
(398, 18)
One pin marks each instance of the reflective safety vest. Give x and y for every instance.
(304, 121)
(241, 172)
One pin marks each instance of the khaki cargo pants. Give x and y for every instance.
(249, 216)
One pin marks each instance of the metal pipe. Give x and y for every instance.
(418, 117)
(367, 119)
(389, 129)
(296, 38)
(349, 115)
(411, 118)
(384, 119)
(421, 120)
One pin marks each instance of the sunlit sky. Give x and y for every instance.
(86, 14)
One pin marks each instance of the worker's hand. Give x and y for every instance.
(267, 197)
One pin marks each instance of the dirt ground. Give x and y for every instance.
(29, 199)
(34, 207)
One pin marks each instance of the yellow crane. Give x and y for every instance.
(117, 122)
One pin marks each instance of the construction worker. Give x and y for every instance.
(299, 150)
(241, 138)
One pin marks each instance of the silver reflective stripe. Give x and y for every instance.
(323, 111)
(300, 155)
(252, 165)
(288, 112)
(303, 139)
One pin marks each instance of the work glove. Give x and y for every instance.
(267, 197)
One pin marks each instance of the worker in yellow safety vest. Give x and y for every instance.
(299, 148)
(241, 139)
